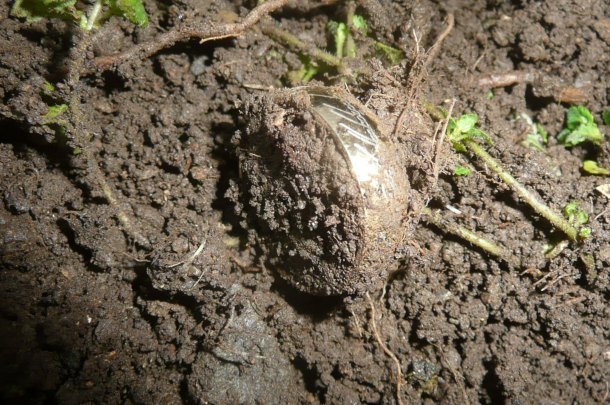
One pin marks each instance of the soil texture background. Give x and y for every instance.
(191, 314)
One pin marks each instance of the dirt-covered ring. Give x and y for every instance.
(324, 188)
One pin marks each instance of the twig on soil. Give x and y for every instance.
(544, 210)
(278, 34)
(505, 79)
(569, 302)
(205, 32)
(436, 47)
(469, 236)
(530, 197)
(386, 350)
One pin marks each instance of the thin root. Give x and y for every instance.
(436, 47)
(205, 32)
(386, 350)
(440, 142)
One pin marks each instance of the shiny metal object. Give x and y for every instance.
(354, 130)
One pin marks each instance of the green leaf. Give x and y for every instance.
(133, 10)
(48, 87)
(606, 117)
(464, 128)
(584, 232)
(339, 32)
(35, 10)
(461, 171)
(359, 23)
(573, 137)
(394, 56)
(305, 73)
(575, 214)
(579, 115)
(580, 127)
(51, 117)
(591, 167)
(466, 123)
(538, 138)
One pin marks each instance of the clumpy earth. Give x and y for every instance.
(190, 313)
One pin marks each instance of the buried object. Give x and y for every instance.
(324, 188)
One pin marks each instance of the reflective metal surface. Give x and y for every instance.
(354, 131)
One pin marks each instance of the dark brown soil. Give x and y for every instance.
(87, 315)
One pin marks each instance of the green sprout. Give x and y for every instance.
(538, 137)
(393, 55)
(578, 217)
(460, 171)
(340, 34)
(307, 71)
(36, 10)
(464, 128)
(465, 136)
(591, 167)
(359, 24)
(133, 10)
(580, 127)
(55, 111)
(48, 87)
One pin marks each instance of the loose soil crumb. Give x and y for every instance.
(88, 316)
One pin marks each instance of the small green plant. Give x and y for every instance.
(36, 10)
(393, 55)
(578, 217)
(53, 115)
(580, 127)
(464, 128)
(359, 23)
(465, 136)
(345, 45)
(340, 34)
(591, 167)
(308, 70)
(461, 171)
(537, 138)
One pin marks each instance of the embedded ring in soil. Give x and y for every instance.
(324, 189)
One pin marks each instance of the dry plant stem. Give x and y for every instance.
(470, 236)
(439, 143)
(81, 141)
(505, 79)
(555, 218)
(386, 350)
(434, 49)
(206, 31)
(420, 73)
(292, 41)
